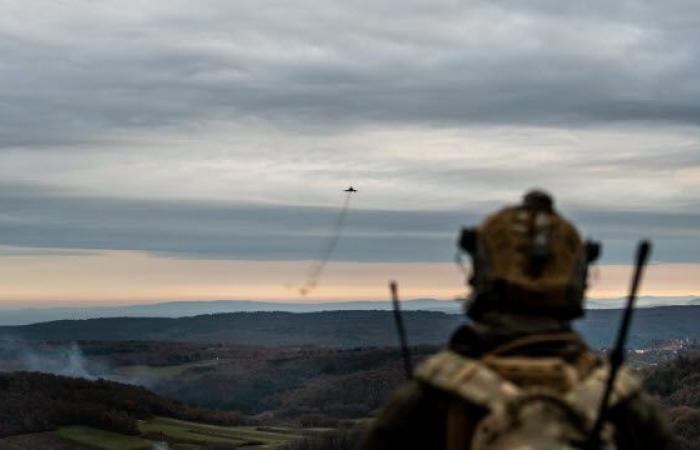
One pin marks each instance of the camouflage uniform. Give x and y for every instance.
(529, 275)
(416, 415)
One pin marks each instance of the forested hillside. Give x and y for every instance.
(677, 384)
(298, 387)
(335, 328)
(33, 402)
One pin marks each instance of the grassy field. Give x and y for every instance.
(48, 440)
(173, 430)
(183, 435)
(101, 439)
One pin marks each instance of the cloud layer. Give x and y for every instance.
(196, 229)
(74, 70)
(227, 130)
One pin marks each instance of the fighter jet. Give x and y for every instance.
(350, 189)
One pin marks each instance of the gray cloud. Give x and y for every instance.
(239, 231)
(93, 67)
(224, 130)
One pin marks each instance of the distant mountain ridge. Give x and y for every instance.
(341, 328)
(27, 316)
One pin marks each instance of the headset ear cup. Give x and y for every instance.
(593, 251)
(467, 240)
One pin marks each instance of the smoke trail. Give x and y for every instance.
(65, 360)
(317, 267)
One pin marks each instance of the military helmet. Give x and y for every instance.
(528, 259)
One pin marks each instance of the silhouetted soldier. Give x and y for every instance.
(518, 377)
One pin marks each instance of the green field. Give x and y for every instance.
(101, 439)
(196, 433)
(183, 435)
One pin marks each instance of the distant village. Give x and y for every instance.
(662, 351)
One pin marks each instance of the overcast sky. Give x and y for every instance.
(226, 131)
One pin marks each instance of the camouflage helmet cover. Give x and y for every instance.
(528, 259)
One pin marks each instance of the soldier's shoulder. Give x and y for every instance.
(640, 423)
(411, 396)
(639, 407)
(411, 405)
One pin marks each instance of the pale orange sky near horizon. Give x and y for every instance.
(124, 277)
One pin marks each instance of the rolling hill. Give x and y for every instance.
(339, 328)
(35, 402)
(25, 316)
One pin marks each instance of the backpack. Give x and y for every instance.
(527, 403)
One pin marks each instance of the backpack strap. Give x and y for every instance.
(461, 423)
(525, 372)
(536, 339)
(553, 370)
(467, 378)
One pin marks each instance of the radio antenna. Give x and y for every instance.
(398, 318)
(617, 355)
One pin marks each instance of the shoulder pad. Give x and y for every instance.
(588, 394)
(467, 378)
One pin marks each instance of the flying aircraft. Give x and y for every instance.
(350, 189)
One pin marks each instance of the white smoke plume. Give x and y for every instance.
(65, 359)
(59, 359)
